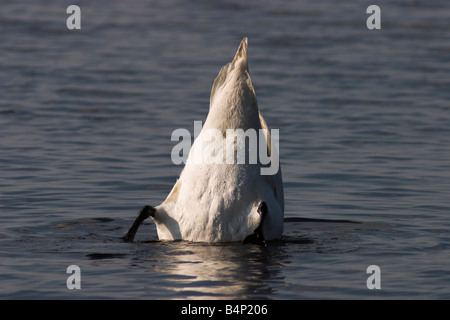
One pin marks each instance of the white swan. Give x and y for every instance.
(221, 202)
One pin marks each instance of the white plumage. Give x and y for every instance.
(218, 202)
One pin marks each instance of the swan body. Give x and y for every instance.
(222, 201)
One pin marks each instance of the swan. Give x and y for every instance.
(223, 202)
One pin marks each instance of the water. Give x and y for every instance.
(86, 118)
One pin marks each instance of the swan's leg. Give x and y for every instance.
(257, 236)
(143, 214)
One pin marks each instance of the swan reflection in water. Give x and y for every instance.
(211, 271)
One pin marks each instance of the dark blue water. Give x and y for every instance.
(86, 118)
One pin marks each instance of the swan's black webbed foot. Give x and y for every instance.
(143, 214)
(257, 236)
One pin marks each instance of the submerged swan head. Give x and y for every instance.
(230, 200)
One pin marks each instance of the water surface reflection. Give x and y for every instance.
(205, 271)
